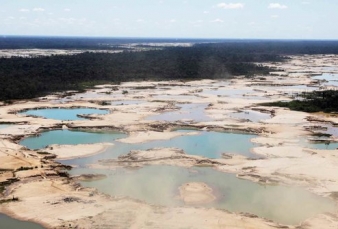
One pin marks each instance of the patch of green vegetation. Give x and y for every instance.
(22, 168)
(2, 188)
(104, 103)
(321, 135)
(14, 199)
(23, 78)
(42, 153)
(316, 101)
(5, 170)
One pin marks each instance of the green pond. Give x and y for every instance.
(159, 185)
(7, 222)
(64, 114)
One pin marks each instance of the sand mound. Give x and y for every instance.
(196, 193)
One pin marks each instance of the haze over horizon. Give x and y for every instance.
(243, 19)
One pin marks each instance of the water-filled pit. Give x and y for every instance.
(159, 185)
(7, 222)
(195, 112)
(63, 113)
(209, 144)
(330, 129)
(69, 137)
(332, 79)
(250, 115)
(323, 145)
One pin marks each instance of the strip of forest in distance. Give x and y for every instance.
(24, 78)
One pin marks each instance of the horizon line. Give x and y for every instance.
(169, 38)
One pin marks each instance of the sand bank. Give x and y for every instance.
(66, 152)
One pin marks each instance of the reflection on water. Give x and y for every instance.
(64, 114)
(7, 222)
(159, 185)
(331, 78)
(330, 129)
(248, 93)
(250, 115)
(195, 112)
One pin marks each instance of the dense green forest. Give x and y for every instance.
(30, 77)
(23, 78)
(41, 42)
(278, 47)
(315, 101)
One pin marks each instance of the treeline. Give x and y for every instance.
(31, 77)
(315, 101)
(279, 47)
(22, 78)
(41, 42)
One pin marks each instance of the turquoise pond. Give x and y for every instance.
(208, 144)
(69, 137)
(159, 185)
(7, 222)
(323, 146)
(64, 114)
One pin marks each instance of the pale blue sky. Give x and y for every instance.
(280, 19)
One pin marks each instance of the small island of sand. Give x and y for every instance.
(196, 193)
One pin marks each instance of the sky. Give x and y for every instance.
(243, 19)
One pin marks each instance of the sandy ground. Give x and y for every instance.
(66, 152)
(139, 137)
(54, 201)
